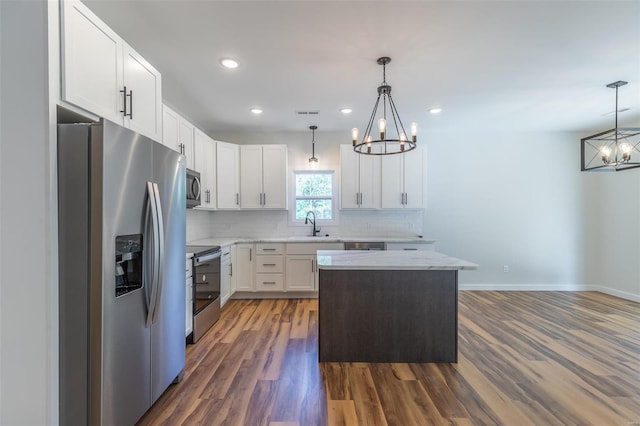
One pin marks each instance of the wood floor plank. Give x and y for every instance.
(525, 358)
(342, 413)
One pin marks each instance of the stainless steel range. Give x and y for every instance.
(206, 289)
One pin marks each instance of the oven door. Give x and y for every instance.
(206, 281)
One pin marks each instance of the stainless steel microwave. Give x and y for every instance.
(193, 188)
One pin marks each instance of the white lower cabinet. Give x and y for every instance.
(302, 265)
(301, 272)
(269, 267)
(189, 298)
(243, 278)
(226, 272)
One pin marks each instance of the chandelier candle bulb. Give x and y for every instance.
(382, 125)
(414, 131)
(354, 135)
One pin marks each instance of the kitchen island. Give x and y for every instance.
(388, 306)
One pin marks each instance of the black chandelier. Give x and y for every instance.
(611, 150)
(386, 144)
(313, 158)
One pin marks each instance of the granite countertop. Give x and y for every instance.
(390, 260)
(226, 241)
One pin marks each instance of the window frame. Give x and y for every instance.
(334, 198)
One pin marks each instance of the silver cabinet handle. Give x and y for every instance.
(264, 198)
(268, 249)
(231, 269)
(268, 264)
(250, 254)
(237, 199)
(269, 282)
(409, 249)
(124, 103)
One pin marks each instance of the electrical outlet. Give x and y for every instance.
(505, 268)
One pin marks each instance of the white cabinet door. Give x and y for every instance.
(349, 177)
(143, 95)
(301, 272)
(225, 275)
(369, 179)
(227, 172)
(274, 177)
(189, 298)
(392, 175)
(403, 180)
(243, 274)
(359, 179)
(251, 176)
(171, 129)
(91, 62)
(414, 176)
(187, 139)
(205, 163)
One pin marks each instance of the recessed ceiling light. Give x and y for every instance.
(435, 110)
(346, 110)
(229, 63)
(256, 110)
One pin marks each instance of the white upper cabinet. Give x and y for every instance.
(105, 76)
(359, 179)
(403, 180)
(205, 163)
(143, 86)
(263, 176)
(228, 175)
(251, 176)
(179, 135)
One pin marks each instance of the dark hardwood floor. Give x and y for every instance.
(525, 358)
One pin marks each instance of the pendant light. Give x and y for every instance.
(391, 141)
(611, 150)
(313, 160)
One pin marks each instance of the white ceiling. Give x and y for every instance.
(500, 65)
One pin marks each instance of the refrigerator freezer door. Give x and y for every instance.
(126, 347)
(167, 331)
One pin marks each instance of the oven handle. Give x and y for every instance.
(199, 260)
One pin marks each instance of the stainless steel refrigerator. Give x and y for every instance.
(122, 246)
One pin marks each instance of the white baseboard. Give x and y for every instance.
(550, 287)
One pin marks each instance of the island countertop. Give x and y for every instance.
(390, 260)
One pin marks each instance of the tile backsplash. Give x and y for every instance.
(365, 223)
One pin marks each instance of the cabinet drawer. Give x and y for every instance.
(269, 264)
(269, 248)
(269, 282)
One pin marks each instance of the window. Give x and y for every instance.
(314, 191)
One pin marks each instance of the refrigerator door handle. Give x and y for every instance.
(156, 254)
(160, 259)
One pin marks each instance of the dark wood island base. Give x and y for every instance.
(388, 316)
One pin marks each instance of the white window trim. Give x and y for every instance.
(334, 198)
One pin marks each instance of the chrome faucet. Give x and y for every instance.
(307, 220)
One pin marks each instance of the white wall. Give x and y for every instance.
(612, 232)
(508, 199)
(28, 358)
